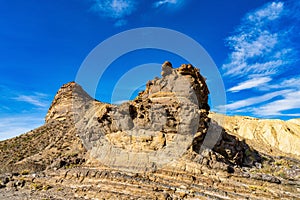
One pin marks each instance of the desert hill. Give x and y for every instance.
(276, 137)
(153, 147)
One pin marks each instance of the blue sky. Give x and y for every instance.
(254, 43)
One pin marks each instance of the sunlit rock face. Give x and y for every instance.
(269, 136)
(154, 129)
(163, 123)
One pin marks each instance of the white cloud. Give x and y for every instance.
(258, 45)
(119, 10)
(168, 2)
(116, 9)
(270, 12)
(14, 126)
(255, 100)
(17, 118)
(290, 83)
(37, 100)
(162, 2)
(290, 101)
(264, 52)
(252, 83)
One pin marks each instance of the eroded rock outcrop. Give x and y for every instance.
(163, 123)
(152, 147)
(154, 129)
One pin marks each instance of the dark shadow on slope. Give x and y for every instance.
(233, 151)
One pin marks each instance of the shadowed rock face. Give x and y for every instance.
(152, 147)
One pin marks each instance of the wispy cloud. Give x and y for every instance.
(263, 53)
(120, 10)
(286, 99)
(259, 45)
(277, 108)
(115, 9)
(252, 83)
(163, 2)
(21, 110)
(168, 2)
(255, 100)
(288, 83)
(269, 12)
(37, 100)
(16, 125)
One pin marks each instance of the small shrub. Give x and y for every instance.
(36, 186)
(25, 172)
(47, 187)
(256, 187)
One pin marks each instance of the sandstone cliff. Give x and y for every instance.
(152, 147)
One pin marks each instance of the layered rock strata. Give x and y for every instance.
(147, 148)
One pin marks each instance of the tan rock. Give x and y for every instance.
(263, 134)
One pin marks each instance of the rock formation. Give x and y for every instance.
(152, 130)
(151, 148)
